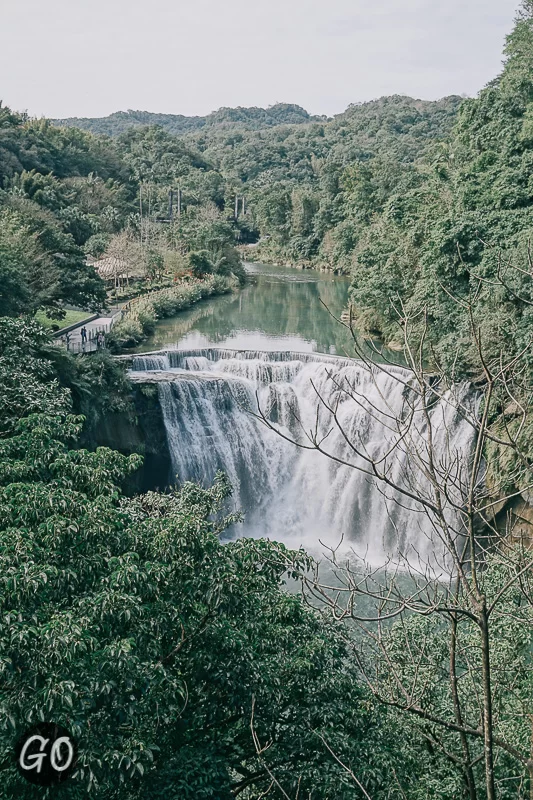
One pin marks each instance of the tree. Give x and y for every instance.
(159, 647)
(458, 658)
(155, 265)
(28, 278)
(200, 264)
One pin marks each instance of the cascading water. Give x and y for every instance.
(356, 414)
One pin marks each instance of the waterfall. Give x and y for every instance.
(151, 361)
(296, 494)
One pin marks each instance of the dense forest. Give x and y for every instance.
(247, 118)
(66, 195)
(307, 190)
(180, 663)
(306, 187)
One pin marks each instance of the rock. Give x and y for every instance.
(494, 508)
(145, 435)
(527, 494)
(396, 347)
(512, 410)
(165, 376)
(514, 519)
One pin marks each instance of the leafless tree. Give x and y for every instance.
(430, 647)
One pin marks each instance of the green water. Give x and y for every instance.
(279, 309)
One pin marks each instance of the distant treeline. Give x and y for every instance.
(250, 118)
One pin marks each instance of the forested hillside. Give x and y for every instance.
(49, 199)
(66, 194)
(247, 118)
(462, 225)
(312, 190)
(307, 189)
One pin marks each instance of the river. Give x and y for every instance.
(279, 309)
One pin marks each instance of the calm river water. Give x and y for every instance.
(280, 309)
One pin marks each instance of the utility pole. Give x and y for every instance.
(141, 212)
(179, 202)
(170, 203)
(236, 215)
(243, 211)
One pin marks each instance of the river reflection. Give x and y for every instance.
(280, 309)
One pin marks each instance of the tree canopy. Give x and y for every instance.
(162, 649)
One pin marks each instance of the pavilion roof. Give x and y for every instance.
(112, 267)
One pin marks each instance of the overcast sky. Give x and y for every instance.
(87, 58)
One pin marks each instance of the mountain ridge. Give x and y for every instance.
(252, 117)
(245, 118)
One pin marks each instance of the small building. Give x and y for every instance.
(113, 269)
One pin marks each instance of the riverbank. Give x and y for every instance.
(262, 254)
(140, 317)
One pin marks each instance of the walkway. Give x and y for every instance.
(72, 340)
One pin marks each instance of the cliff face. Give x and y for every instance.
(516, 519)
(142, 433)
(513, 519)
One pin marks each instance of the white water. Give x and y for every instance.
(300, 496)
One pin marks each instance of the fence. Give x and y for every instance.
(95, 340)
(96, 334)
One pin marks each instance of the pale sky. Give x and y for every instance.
(88, 58)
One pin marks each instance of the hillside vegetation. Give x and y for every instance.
(249, 118)
(307, 186)
(461, 225)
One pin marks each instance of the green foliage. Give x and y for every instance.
(37, 145)
(97, 244)
(29, 383)
(463, 215)
(247, 118)
(44, 175)
(418, 653)
(155, 265)
(311, 187)
(78, 191)
(25, 280)
(140, 321)
(128, 621)
(300, 183)
(200, 264)
(34, 370)
(296, 172)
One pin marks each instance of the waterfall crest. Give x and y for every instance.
(296, 494)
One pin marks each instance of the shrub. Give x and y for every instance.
(141, 319)
(147, 321)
